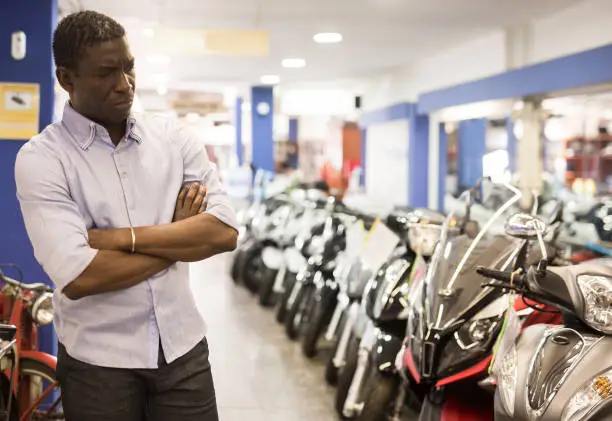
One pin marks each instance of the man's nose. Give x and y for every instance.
(123, 83)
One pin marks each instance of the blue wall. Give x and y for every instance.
(293, 137)
(238, 128)
(471, 149)
(442, 165)
(262, 128)
(37, 18)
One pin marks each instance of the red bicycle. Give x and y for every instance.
(29, 385)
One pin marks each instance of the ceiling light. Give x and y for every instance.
(327, 37)
(162, 90)
(148, 32)
(294, 63)
(269, 79)
(158, 59)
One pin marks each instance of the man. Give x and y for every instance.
(98, 192)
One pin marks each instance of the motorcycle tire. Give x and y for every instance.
(251, 267)
(346, 374)
(237, 262)
(316, 324)
(331, 371)
(266, 287)
(379, 397)
(298, 311)
(281, 308)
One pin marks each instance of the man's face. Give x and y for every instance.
(102, 86)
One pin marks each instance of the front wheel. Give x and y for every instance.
(281, 308)
(266, 287)
(39, 394)
(345, 379)
(379, 398)
(316, 324)
(299, 311)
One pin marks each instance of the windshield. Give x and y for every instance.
(472, 235)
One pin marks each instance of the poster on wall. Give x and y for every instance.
(19, 110)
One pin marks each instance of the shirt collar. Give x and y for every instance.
(85, 131)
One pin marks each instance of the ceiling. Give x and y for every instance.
(378, 35)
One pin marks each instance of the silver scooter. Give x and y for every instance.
(564, 372)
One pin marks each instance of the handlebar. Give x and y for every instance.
(29, 287)
(495, 274)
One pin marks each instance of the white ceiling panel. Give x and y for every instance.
(378, 34)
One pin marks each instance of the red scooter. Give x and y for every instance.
(29, 386)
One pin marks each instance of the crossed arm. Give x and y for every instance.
(193, 236)
(82, 263)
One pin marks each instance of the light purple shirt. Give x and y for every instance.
(71, 178)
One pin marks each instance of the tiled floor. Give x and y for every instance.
(259, 374)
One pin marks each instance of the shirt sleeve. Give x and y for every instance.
(198, 167)
(53, 221)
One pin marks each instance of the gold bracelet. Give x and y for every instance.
(133, 240)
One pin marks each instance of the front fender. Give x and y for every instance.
(384, 352)
(42, 357)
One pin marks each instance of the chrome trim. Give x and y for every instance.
(588, 344)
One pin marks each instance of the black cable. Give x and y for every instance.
(535, 307)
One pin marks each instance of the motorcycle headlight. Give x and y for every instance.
(597, 294)
(42, 308)
(589, 398)
(506, 380)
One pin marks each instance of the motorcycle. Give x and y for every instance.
(323, 250)
(281, 257)
(369, 382)
(327, 293)
(453, 328)
(557, 372)
(31, 379)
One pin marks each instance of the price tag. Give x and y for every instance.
(511, 330)
(379, 245)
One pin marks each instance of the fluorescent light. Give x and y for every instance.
(162, 90)
(294, 63)
(158, 59)
(269, 79)
(148, 32)
(327, 37)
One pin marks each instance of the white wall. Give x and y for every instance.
(387, 163)
(582, 27)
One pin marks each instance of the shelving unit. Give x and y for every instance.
(589, 158)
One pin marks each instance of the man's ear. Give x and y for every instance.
(65, 78)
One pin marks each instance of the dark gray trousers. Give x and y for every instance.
(180, 391)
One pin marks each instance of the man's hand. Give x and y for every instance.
(191, 201)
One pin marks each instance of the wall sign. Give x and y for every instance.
(19, 110)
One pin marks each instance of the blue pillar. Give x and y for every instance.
(511, 145)
(293, 138)
(442, 165)
(364, 143)
(238, 127)
(418, 160)
(471, 149)
(262, 113)
(38, 20)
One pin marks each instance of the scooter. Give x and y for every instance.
(557, 372)
(324, 250)
(328, 294)
(368, 383)
(451, 333)
(279, 254)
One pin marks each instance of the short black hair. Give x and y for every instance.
(78, 31)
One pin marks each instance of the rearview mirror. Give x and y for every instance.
(525, 226)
